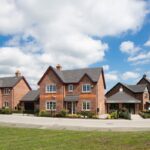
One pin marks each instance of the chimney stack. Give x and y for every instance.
(18, 73)
(59, 67)
(144, 76)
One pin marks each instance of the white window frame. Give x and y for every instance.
(86, 104)
(70, 89)
(6, 104)
(48, 91)
(87, 91)
(46, 105)
(6, 91)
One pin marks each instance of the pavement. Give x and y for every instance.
(74, 124)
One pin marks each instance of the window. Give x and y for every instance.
(51, 105)
(86, 105)
(70, 87)
(51, 88)
(6, 91)
(86, 88)
(6, 104)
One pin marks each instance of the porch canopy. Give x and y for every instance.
(122, 97)
(31, 96)
(71, 98)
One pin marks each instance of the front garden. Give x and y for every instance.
(39, 139)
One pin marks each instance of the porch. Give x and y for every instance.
(123, 100)
(70, 103)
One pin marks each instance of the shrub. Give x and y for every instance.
(47, 113)
(87, 114)
(5, 111)
(145, 114)
(124, 114)
(62, 113)
(114, 115)
(74, 116)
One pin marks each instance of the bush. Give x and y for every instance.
(87, 114)
(47, 113)
(114, 115)
(74, 116)
(124, 114)
(5, 111)
(145, 114)
(62, 113)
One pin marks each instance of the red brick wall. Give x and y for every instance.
(0, 98)
(101, 96)
(49, 78)
(18, 92)
(7, 98)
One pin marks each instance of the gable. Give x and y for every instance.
(46, 75)
(49, 77)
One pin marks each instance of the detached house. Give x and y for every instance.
(133, 97)
(12, 89)
(74, 90)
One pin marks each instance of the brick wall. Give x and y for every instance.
(0, 98)
(7, 98)
(51, 78)
(18, 92)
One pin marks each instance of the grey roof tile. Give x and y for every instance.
(122, 97)
(9, 81)
(136, 88)
(74, 76)
(31, 96)
(71, 98)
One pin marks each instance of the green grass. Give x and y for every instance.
(38, 139)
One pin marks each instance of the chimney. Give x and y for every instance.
(144, 76)
(18, 73)
(59, 67)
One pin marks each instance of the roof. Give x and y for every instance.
(122, 97)
(136, 88)
(71, 98)
(74, 76)
(145, 78)
(9, 81)
(31, 96)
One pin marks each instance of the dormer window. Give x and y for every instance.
(51, 88)
(86, 88)
(6, 91)
(70, 88)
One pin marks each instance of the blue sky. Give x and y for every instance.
(110, 33)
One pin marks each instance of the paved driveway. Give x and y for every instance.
(74, 124)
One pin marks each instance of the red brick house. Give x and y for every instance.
(134, 97)
(74, 90)
(12, 89)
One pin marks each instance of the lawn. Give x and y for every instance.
(39, 139)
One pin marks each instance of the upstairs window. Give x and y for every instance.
(6, 91)
(51, 105)
(51, 88)
(86, 106)
(86, 88)
(70, 88)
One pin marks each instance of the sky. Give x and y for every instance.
(113, 34)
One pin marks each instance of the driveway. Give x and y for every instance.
(74, 124)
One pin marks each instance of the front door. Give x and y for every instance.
(70, 106)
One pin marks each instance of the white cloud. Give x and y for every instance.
(111, 76)
(130, 75)
(49, 32)
(147, 43)
(106, 67)
(129, 47)
(141, 58)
